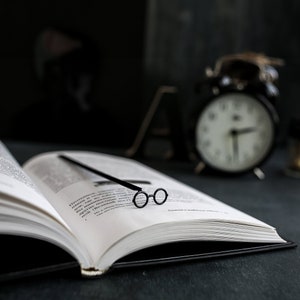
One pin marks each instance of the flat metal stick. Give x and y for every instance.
(97, 172)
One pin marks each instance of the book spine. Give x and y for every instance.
(92, 272)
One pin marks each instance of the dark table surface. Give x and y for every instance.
(272, 275)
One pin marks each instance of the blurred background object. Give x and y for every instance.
(66, 65)
(293, 165)
(184, 37)
(235, 122)
(53, 51)
(139, 45)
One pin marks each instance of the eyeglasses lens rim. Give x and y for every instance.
(155, 193)
(148, 196)
(136, 203)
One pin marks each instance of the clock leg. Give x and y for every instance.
(259, 173)
(200, 167)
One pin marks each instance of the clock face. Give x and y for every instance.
(234, 132)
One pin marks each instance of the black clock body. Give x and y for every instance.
(241, 140)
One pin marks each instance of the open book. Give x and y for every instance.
(95, 220)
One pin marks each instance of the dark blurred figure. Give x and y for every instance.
(67, 66)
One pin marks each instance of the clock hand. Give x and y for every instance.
(244, 130)
(235, 144)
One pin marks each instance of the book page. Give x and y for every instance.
(15, 183)
(101, 212)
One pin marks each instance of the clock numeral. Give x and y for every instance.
(204, 129)
(206, 143)
(223, 106)
(211, 116)
(236, 118)
(217, 152)
(237, 105)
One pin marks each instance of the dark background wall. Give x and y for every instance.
(185, 36)
(118, 31)
(143, 44)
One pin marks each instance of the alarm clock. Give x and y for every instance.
(234, 128)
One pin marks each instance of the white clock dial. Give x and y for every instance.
(234, 132)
